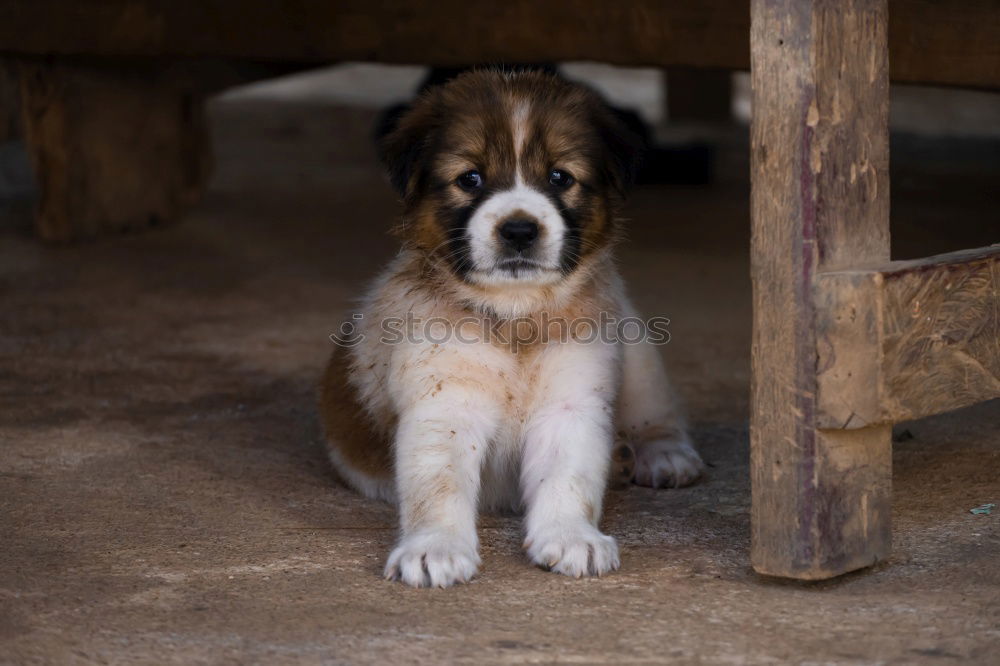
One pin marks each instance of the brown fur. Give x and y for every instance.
(361, 444)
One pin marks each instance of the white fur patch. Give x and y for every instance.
(485, 246)
(519, 127)
(567, 447)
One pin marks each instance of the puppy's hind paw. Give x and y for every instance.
(667, 463)
(432, 559)
(622, 465)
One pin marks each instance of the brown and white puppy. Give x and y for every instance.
(510, 185)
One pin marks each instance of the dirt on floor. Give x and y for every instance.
(164, 497)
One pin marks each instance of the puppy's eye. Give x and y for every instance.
(470, 181)
(560, 178)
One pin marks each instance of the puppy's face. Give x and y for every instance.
(509, 178)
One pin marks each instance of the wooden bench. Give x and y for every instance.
(845, 341)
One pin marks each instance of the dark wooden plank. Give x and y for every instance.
(820, 196)
(447, 32)
(10, 103)
(113, 149)
(951, 42)
(931, 41)
(909, 339)
(699, 95)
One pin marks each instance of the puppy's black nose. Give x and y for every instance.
(519, 233)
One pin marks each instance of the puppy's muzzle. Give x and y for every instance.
(518, 234)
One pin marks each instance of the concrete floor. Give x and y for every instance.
(164, 497)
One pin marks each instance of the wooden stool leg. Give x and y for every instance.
(820, 202)
(114, 148)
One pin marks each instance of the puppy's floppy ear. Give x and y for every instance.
(404, 146)
(624, 142)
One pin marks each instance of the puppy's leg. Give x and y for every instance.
(650, 420)
(440, 442)
(567, 451)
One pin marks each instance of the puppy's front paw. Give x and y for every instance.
(667, 463)
(573, 550)
(432, 559)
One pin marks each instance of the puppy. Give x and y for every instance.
(476, 375)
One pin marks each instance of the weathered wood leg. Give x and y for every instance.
(113, 148)
(820, 202)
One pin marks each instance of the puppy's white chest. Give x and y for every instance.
(518, 398)
(502, 465)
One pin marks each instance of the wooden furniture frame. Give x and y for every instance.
(845, 341)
